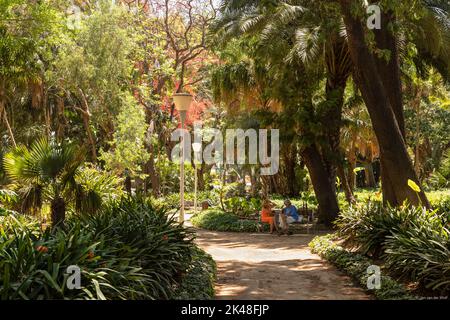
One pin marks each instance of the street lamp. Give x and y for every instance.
(182, 103)
(196, 146)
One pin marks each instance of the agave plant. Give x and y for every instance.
(45, 172)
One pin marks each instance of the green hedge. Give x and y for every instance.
(355, 265)
(217, 220)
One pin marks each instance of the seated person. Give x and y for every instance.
(289, 214)
(267, 215)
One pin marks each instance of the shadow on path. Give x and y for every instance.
(264, 266)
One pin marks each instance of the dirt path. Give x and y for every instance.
(264, 266)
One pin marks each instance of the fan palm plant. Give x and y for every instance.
(45, 172)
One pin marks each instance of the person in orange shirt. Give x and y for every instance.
(267, 215)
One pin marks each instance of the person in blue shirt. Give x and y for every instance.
(289, 214)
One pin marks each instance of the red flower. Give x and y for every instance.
(165, 237)
(91, 255)
(42, 249)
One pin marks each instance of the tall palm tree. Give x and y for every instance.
(45, 172)
(296, 33)
(315, 38)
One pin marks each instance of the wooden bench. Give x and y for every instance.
(308, 220)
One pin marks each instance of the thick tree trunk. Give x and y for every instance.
(389, 72)
(326, 197)
(201, 177)
(396, 164)
(58, 212)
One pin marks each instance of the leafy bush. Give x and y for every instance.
(420, 252)
(356, 265)
(218, 220)
(33, 264)
(241, 206)
(97, 188)
(366, 227)
(442, 206)
(441, 178)
(129, 250)
(210, 196)
(169, 176)
(414, 242)
(198, 284)
(159, 246)
(8, 198)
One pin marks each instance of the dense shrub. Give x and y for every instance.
(414, 242)
(172, 200)
(421, 252)
(8, 198)
(198, 284)
(33, 264)
(96, 188)
(242, 206)
(356, 265)
(218, 220)
(442, 206)
(366, 227)
(129, 250)
(140, 232)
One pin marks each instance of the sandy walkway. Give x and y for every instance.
(262, 266)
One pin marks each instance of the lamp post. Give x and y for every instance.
(182, 103)
(196, 146)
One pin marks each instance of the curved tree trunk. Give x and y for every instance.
(397, 167)
(389, 72)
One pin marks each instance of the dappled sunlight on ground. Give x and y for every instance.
(264, 266)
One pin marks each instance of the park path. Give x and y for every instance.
(263, 266)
